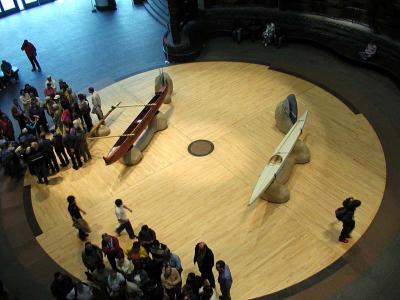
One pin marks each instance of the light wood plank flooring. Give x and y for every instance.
(188, 199)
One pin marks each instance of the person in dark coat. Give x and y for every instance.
(8, 160)
(6, 127)
(30, 52)
(85, 111)
(30, 90)
(350, 205)
(78, 222)
(69, 142)
(8, 72)
(36, 112)
(46, 148)
(61, 286)
(193, 285)
(204, 258)
(146, 237)
(25, 138)
(57, 141)
(82, 143)
(18, 113)
(38, 163)
(92, 256)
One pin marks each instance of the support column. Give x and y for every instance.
(175, 13)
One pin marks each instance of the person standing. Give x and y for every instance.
(61, 286)
(124, 266)
(49, 91)
(81, 291)
(25, 100)
(8, 72)
(174, 261)
(46, 147)
(81, 142)
(123, 219)
(78, 222)
(57, 142)
(116, 285)
(96, 102)
(92, 256)
(18, 114)
(204, 258)
(6, 127)
(172, 282)
(111, 248)
(37, 163)
(30, 52)
(85, 111)
(146, 237)
(71, 96)
(69, 142)
(224, 279)
(346, 216)
(51, 81)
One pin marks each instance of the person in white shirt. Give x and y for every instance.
(96, 102)
(51, 81)
(123, 219)
(369, 51)
(81, 291)
(116, 284)
(124, 265)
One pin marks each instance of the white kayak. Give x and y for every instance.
(278, 158)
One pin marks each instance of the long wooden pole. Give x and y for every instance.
(110, 136)
(136, 105)
(95, 128)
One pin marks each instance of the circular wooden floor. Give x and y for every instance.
(187, 199)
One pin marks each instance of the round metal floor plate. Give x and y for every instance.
(201, 148)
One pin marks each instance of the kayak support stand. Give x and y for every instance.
(135, 154)
(278, 191)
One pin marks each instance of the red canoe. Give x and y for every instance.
(136, 128)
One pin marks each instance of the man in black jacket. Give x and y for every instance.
(46, 148)
(37, 162)
(61, 286)
(350, 205)
(70, 143)
(59, 148)
(205, 260)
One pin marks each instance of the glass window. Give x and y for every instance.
(20, 4)
(8, 4)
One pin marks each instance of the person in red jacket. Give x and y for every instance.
(111, 248)
(30, 51)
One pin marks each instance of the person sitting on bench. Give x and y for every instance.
(8, 72)
(369, 52)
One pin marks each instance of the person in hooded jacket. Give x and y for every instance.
(350, 205)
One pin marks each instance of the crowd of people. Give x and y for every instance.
(40, 141)
(148, 270)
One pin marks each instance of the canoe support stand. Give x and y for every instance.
(158, 82)
(135, 154)
(278, 192)
(103, 130)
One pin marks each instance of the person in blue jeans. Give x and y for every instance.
(123, 219)
(224, 279)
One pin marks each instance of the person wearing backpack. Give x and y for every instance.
(345, 214)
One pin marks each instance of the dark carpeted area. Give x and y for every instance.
(29, 213)
(99, 49)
